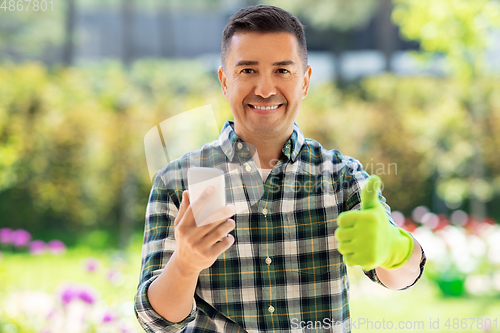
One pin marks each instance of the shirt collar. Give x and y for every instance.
(228, 141)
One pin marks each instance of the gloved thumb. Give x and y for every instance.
(369, 194)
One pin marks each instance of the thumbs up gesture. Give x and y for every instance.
(367, 238)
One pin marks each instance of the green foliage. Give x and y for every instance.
(406, 130)
(457, 28)
(71, 140)
(460, 30)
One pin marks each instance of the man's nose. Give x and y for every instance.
(265, 86)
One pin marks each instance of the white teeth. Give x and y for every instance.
(265, 107)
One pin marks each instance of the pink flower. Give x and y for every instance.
(71, 292)
(57, 247)
(87, 295)
(442, 224)
(68, 294)
(5, 235)
(124, 329)
(114, 276)
(92, 264)
(20, 238)
(37, 247)
(443, 221)
(108, 317)
(472, 225)
(409, 225)
(459, 218)
(399, 218)
(489, 220)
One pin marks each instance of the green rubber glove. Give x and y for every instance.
(367, 238)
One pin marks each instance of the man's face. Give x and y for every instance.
(264, 82)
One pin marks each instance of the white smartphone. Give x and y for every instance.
(199, 178)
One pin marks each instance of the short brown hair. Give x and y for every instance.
(263, 18)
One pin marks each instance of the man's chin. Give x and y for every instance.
(265, 128)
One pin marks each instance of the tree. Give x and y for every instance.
(460, 31)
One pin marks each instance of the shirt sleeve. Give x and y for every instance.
(158, 246)
(355, 178)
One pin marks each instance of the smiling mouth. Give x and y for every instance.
(265, 108)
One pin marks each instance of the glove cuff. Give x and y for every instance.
(401, 251)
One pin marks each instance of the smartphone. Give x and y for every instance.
(199, 178)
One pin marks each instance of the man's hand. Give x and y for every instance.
(367, 238)
(197, 248)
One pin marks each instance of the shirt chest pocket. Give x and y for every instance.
(310, 243)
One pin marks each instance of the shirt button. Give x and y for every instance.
(270, 308)
(264, 211)
(248, 168)
(268, 261)
(240, 145)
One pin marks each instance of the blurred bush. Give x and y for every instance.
(416, 133)
(71, 140)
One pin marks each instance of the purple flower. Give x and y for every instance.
(37, 247)
(72, 292)
(87, 295)
(20, 238)
(5, 235)
(68, 294)
(124, 329)
(108, 317)
(57, 247)
(92, 264)
(114, 276)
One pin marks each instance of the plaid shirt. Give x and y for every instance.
(284, 266)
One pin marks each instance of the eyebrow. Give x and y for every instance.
(253, 63)
(284, 63)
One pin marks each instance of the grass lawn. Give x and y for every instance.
(421, 308)
(115, 277)
(111, 277)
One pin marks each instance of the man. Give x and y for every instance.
(280, 260)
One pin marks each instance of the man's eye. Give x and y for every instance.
(283, 71)
(247, 71)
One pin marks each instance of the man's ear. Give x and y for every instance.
(222, 80)
(307, 80)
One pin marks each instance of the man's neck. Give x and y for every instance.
(269, 149)
(266, 156)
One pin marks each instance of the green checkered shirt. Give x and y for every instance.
(284, 267)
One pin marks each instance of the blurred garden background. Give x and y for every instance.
(410, 88)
